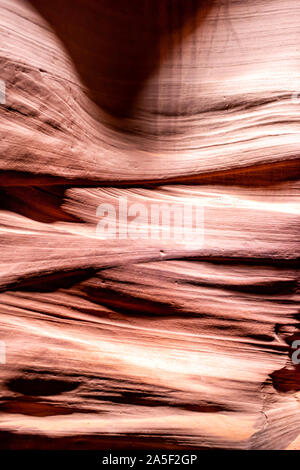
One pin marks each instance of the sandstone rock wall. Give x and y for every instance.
(151, 343)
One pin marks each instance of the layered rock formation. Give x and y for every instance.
(149, 342)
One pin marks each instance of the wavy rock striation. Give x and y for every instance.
(149, 342)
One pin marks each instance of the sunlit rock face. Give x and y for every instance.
(152, 342)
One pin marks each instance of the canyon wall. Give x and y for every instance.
(141, 341)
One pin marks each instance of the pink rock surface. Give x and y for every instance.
(149, 343)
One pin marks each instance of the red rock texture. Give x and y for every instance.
(149, 343)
